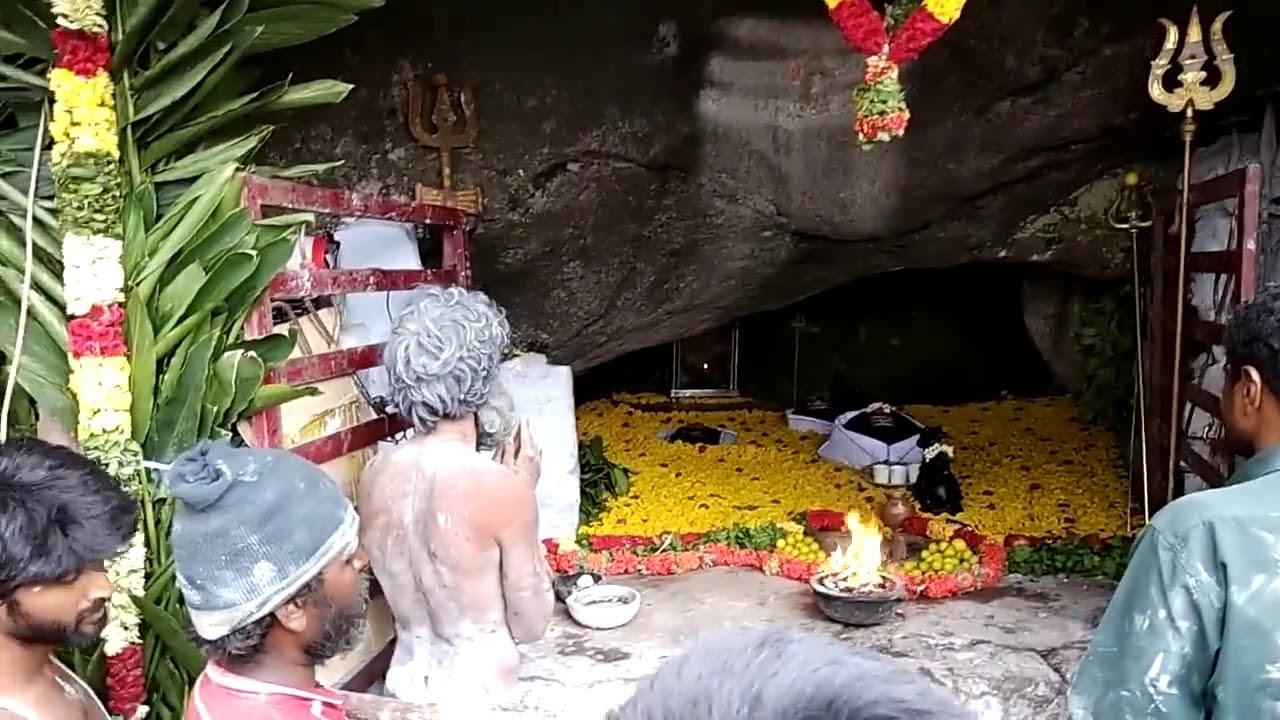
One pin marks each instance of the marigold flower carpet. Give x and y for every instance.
(1025, 466)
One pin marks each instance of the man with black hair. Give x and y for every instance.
(61, 519)
(266, 552)
(784, 675)
(1191, 632)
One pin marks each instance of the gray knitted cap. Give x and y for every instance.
(251, 527)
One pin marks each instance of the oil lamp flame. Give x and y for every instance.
(859, 564)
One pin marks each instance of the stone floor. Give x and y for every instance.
(1006, 652)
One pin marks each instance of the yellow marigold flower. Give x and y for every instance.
(101, 383)
(1024, 467)
(89, 15)
(84, 119)
(946, 11)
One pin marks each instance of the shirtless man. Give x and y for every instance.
(61, 519)
(451, 531)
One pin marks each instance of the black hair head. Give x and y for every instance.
(1253, 339)
(59, 514)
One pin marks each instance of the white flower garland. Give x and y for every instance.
(940, 449)
(89, 15)
(127, 575)
(93, 273)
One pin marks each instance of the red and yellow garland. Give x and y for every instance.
(85, 162)
(613, 555)
(880, 106)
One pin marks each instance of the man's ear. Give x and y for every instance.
(292, 616)
(1251, 387)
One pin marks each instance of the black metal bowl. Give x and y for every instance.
(862, 608)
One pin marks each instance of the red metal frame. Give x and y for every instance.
(1240, 262)
(260, 193)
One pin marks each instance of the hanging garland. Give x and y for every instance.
(908, 27)
(85, 163)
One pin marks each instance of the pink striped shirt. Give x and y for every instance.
(223, 695)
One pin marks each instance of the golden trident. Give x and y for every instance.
(1190, 95)
(446, 138)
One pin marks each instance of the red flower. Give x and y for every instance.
(82, 53)
(917, 33)
(878, 68)
(660, 564)
(622, 563)
(688, 561)
(941, 586)
(618, 542)
(564, 562)
(125, 688)
(597, 562)
(917, 525)
(861, 25)
(819, 520)
(98, 334)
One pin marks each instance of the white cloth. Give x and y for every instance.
(859, 451)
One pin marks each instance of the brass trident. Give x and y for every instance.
(1190, 95)
(446, 138)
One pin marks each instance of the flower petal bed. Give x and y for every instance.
(1026, 467)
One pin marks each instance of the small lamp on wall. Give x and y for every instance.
(706, 365)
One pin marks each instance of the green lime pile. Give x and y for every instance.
(942, 558)
(801, 547)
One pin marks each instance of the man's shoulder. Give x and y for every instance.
(221, 695)
(1258, 500)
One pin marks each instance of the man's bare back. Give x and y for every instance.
(452, 536)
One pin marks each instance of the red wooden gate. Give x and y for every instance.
(260, 193)
(1235, 271)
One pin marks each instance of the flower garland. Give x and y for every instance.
(85, 162)
(677, 554)
(879, 103)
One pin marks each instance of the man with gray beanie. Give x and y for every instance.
(267, 556)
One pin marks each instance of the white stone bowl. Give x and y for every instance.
(604, 607)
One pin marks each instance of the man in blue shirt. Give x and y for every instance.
(1191, 632)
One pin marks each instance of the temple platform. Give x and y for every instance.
(1007, 653)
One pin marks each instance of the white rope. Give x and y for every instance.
(25, 300)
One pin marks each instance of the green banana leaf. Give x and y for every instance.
(249, 373)
(142, 359)
(274, 349)
(177, 416)
(274, 395)
(172, 634)
(52, 318)
(43, 372)
(294, 25)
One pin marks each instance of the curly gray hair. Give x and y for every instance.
(442, 361)
(784, 675)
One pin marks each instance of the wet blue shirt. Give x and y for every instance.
(1194, 628)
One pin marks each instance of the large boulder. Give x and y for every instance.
(653, 169)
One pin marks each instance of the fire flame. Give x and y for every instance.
(858, 565)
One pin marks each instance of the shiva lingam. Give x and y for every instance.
(852, 587)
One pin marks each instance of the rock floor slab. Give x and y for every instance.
(1007, 653)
